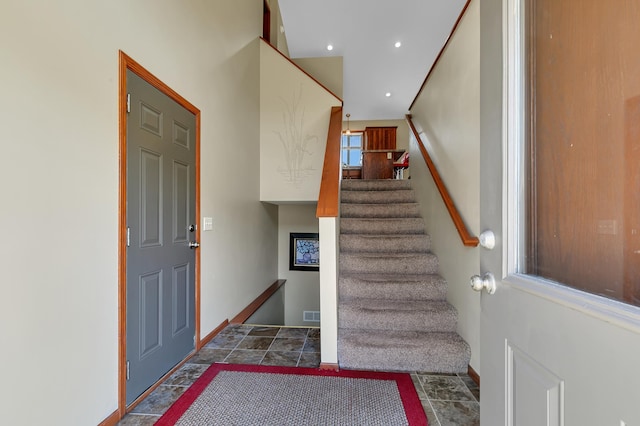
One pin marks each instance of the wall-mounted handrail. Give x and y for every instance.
(467, 238)
(330, 184)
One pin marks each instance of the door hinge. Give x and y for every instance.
(128, 370)
(128, 102)
(128, 237)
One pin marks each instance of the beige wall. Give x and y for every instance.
(328, 71)
(302, 289)
(447, 113)
(294, 120)
(59, 184)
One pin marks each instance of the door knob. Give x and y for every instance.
(193, 244)
(486, 282)
(488, 239)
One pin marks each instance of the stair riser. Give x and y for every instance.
(379, 210)
(357, 243)
(378, 197)
(436, 357)
(375, 185)
(427, 264)
(424, 321)
(392, 291)
(382, 226)
(379, 361)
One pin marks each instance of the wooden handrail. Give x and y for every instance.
(330, 184)
(467, 238)
(259, 301)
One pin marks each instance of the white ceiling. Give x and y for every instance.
(364, 32)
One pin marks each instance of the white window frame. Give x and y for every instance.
(342, 149)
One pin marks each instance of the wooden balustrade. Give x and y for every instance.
(330, 184)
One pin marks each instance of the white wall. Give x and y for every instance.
(302, 289)
(447, 113)
(59, 184)
(329, 234)
(294, 120)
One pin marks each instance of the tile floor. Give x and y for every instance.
(447, 399)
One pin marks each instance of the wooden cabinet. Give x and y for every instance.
(352, 173)
(377, 165)
(376, 138)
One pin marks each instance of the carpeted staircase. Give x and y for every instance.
(392, 310)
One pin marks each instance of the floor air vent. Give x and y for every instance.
(311, 316)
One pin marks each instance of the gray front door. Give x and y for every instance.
(161, 223)
(562, 75)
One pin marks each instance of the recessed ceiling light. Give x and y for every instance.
(329, 46)
(388, 94)
(398, 44)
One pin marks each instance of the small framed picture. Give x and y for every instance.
(304, 252)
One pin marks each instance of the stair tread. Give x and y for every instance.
(417, 315)
(378, 197)
(385, 278)
(380, 206)
(389, 263)
(386, 236)
(406, 203)
(420, 351)
(379, 226)
(379, 210)
(384, 219)
(392, 286)
(367, 184)
(375, 243)
(413, 338)
(384, 305)
(389, 255)
(374, 190)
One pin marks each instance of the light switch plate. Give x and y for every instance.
(207, 223)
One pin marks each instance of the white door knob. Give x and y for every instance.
(488, 239)
(486, 282)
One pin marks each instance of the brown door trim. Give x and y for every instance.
(266, 22)
(127, 63)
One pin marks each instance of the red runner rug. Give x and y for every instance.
(229, 394)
